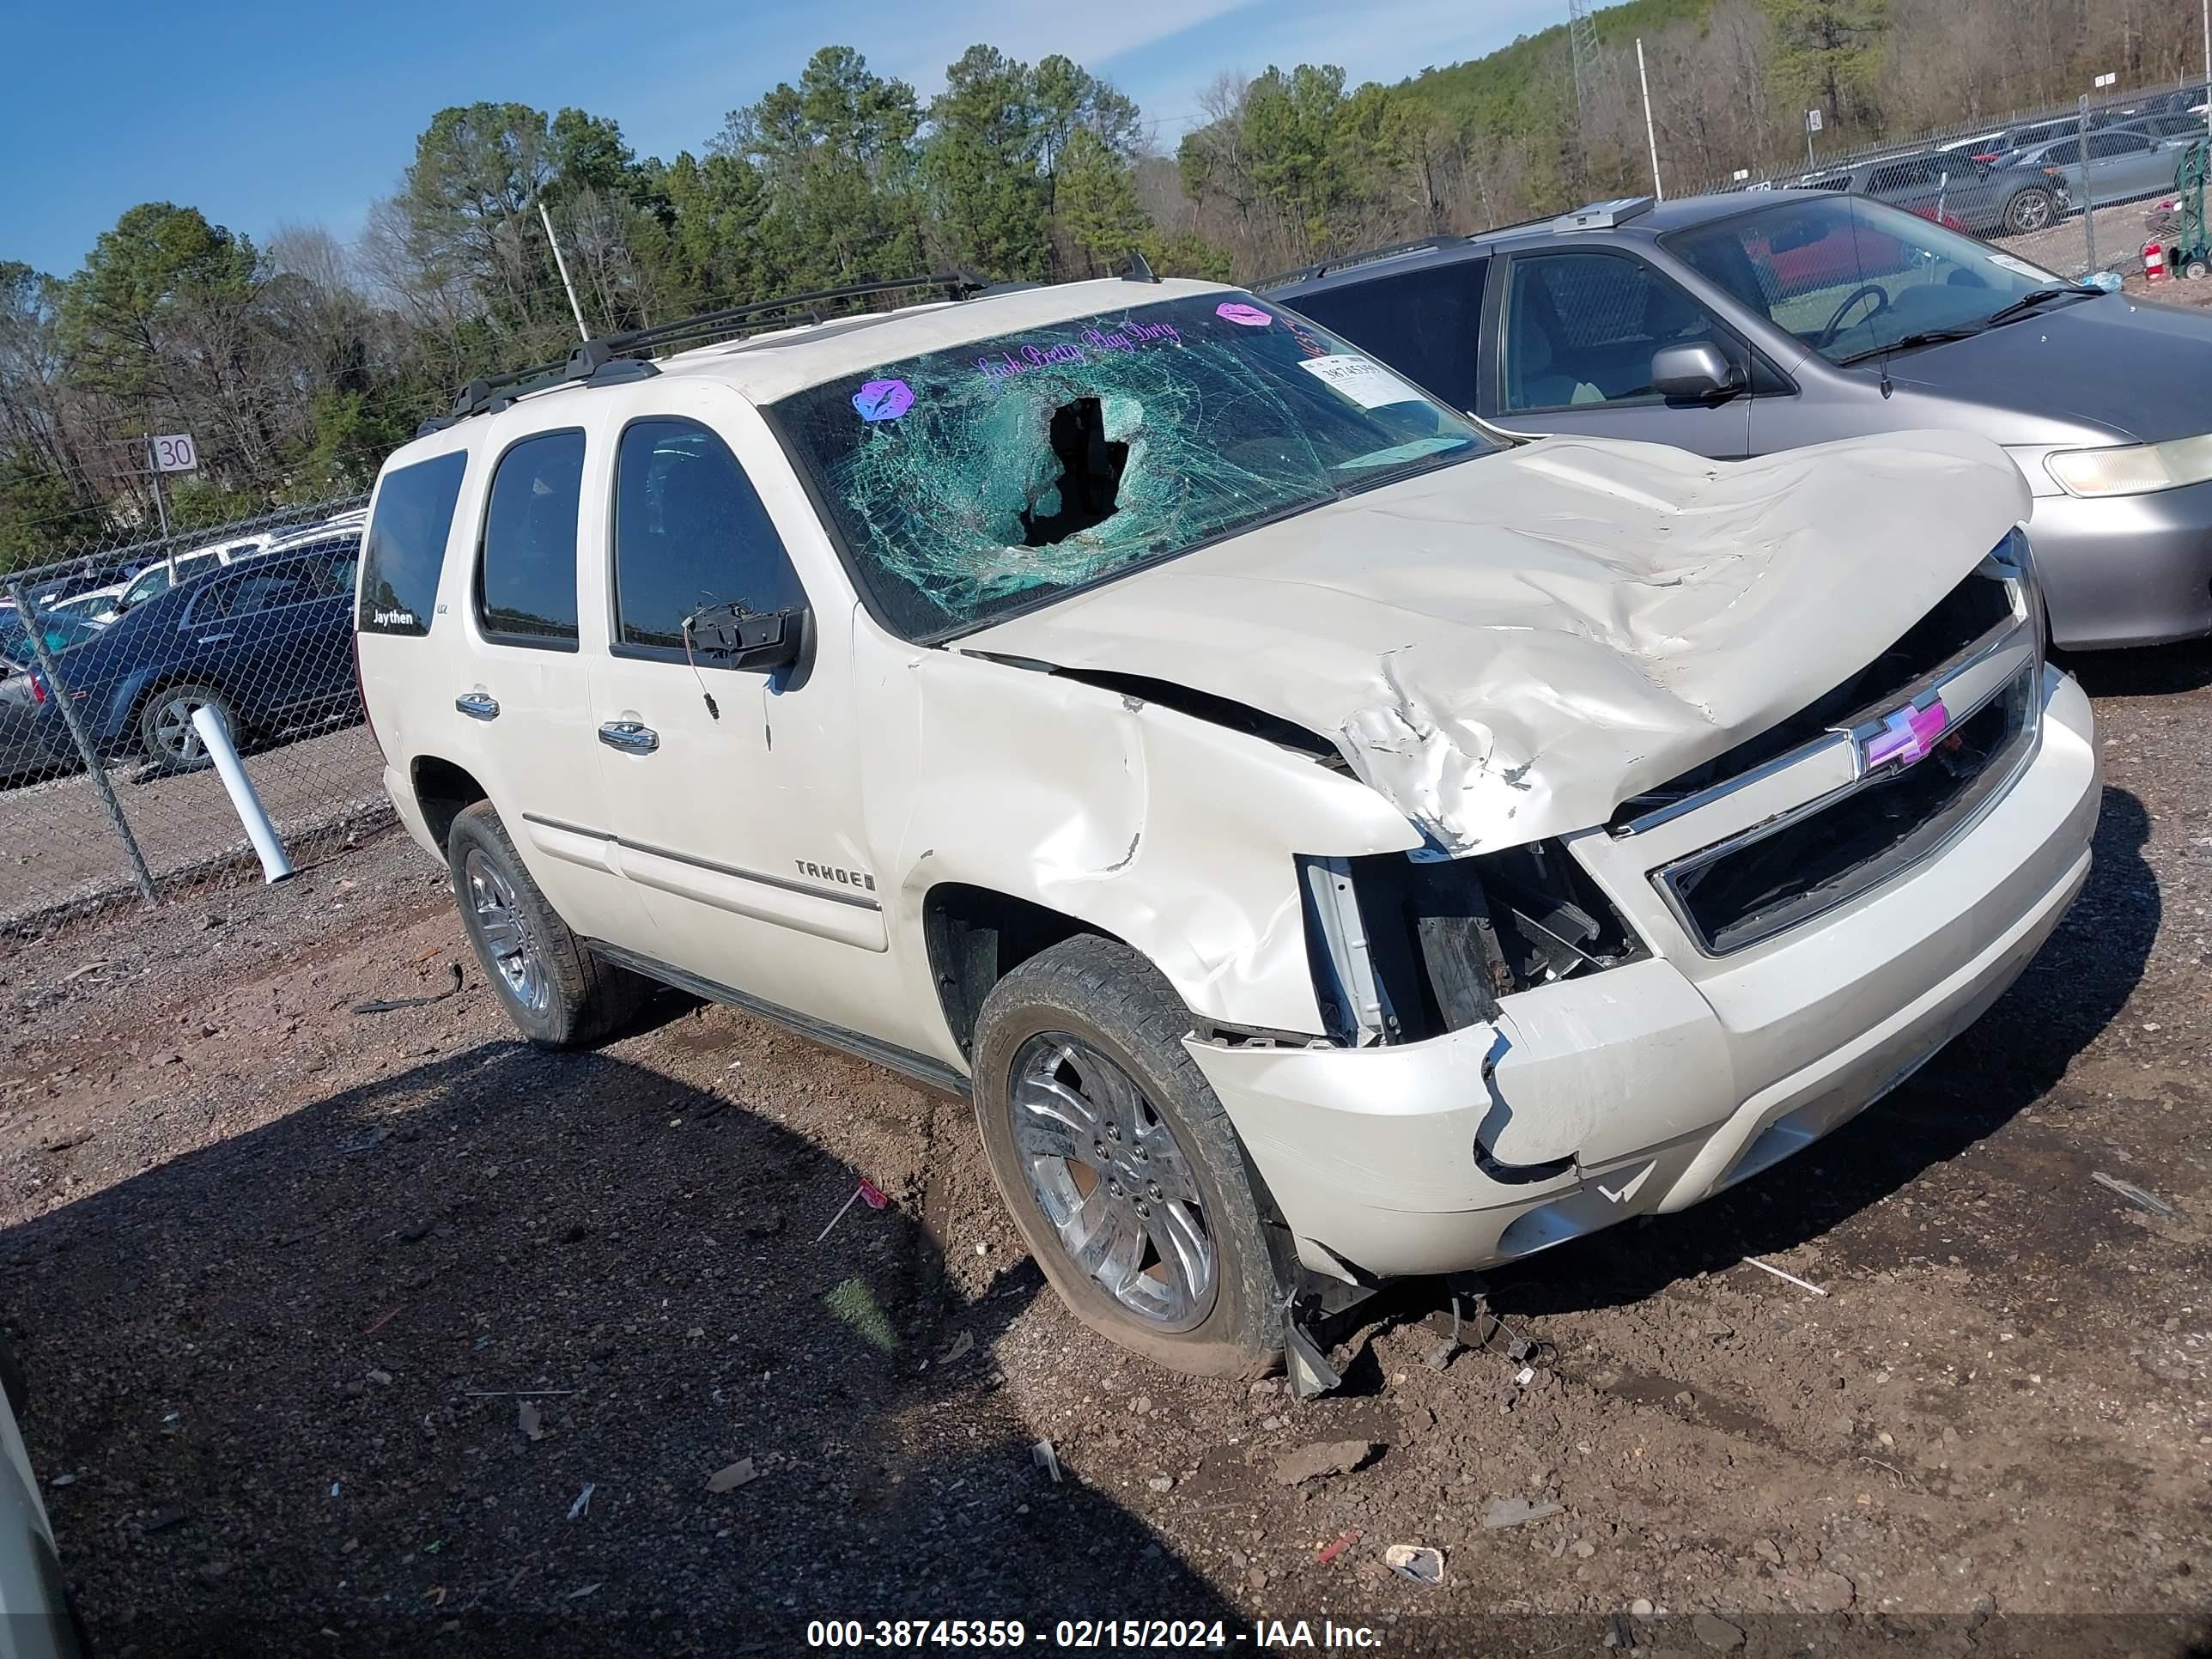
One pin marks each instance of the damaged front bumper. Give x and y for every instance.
(1658, 1083)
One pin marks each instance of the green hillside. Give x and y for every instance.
(1504, 92)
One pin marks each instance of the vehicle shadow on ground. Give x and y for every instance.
(2010, 1058)
(450, 1359)
(2155, 671)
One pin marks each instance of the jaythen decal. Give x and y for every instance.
(860, 879)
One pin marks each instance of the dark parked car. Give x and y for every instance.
(267, 641)
(1741, 325)
(1996, 200)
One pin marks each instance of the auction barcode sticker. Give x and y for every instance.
(1363, 379)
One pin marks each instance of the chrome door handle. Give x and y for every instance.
(629, 737)
(477, 705)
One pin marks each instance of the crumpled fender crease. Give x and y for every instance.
(1163, 830)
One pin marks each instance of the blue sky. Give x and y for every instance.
(260, 114)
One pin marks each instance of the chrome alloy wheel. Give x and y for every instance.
(1111, 1178)
(178, 738)
(507, 937)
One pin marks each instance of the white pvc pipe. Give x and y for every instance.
(275, 866)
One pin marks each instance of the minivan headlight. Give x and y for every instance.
(2132, 469)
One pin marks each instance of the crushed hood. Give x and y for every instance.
(1508, 648)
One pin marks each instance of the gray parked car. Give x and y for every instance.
(2124, 163)
(1738, 324)
(2001, 200)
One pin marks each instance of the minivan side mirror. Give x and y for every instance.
(726, 637)
(1696, 370)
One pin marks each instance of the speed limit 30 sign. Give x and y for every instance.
(175, 454)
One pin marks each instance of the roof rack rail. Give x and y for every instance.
(1323, 267)
(608, 358)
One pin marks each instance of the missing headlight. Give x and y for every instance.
(1404, 950)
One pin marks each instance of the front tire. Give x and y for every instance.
(2029, 211)
(558, 994)
(1120, 1166)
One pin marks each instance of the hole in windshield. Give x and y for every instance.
(1090, 477)
(995, 474)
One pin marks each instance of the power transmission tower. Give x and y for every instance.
(1581, 41)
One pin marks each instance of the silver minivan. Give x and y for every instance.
(1737, 326)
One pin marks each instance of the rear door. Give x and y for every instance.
(513, 707)
(1576, 332)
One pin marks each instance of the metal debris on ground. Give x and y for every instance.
(1046, 1459)
(1323, 1457)
(393, 1005)
(579, 1594)
(1802, 1285)
(1416, 1562)
(1306, 1367)
(1517, 1511)
(582, 1506)
(2134, 1194)
(730, 1478)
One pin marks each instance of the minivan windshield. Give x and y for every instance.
(1852, 278)
(989, 477)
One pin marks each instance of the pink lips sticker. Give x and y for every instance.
(1236, 311)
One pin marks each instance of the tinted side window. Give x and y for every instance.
(1904, 175)
(1581, 328)
(2063, 154)
(405, 549)
(690, 530)
(1423, 323)
(526, 580)
(2102, 144)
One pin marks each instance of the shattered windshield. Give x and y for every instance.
(989, 476)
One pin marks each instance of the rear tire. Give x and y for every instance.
(1119, 1165)
(165, 730)
(558, 994)
(2029, 211)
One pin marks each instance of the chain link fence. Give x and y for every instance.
(106, 790)
(2074, 193)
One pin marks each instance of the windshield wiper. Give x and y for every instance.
(1926, 336)
(2034, 298)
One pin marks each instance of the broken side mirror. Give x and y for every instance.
(1695, 371)
(730, 636)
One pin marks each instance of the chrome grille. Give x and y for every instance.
(1909, 772)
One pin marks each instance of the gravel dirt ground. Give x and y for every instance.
(57, 846)
(382, 1333)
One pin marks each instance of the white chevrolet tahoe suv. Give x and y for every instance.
(1326, 841)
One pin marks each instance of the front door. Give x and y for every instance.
(736, 792)
(1577, 332)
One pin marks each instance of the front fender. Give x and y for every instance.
(1173, 834)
